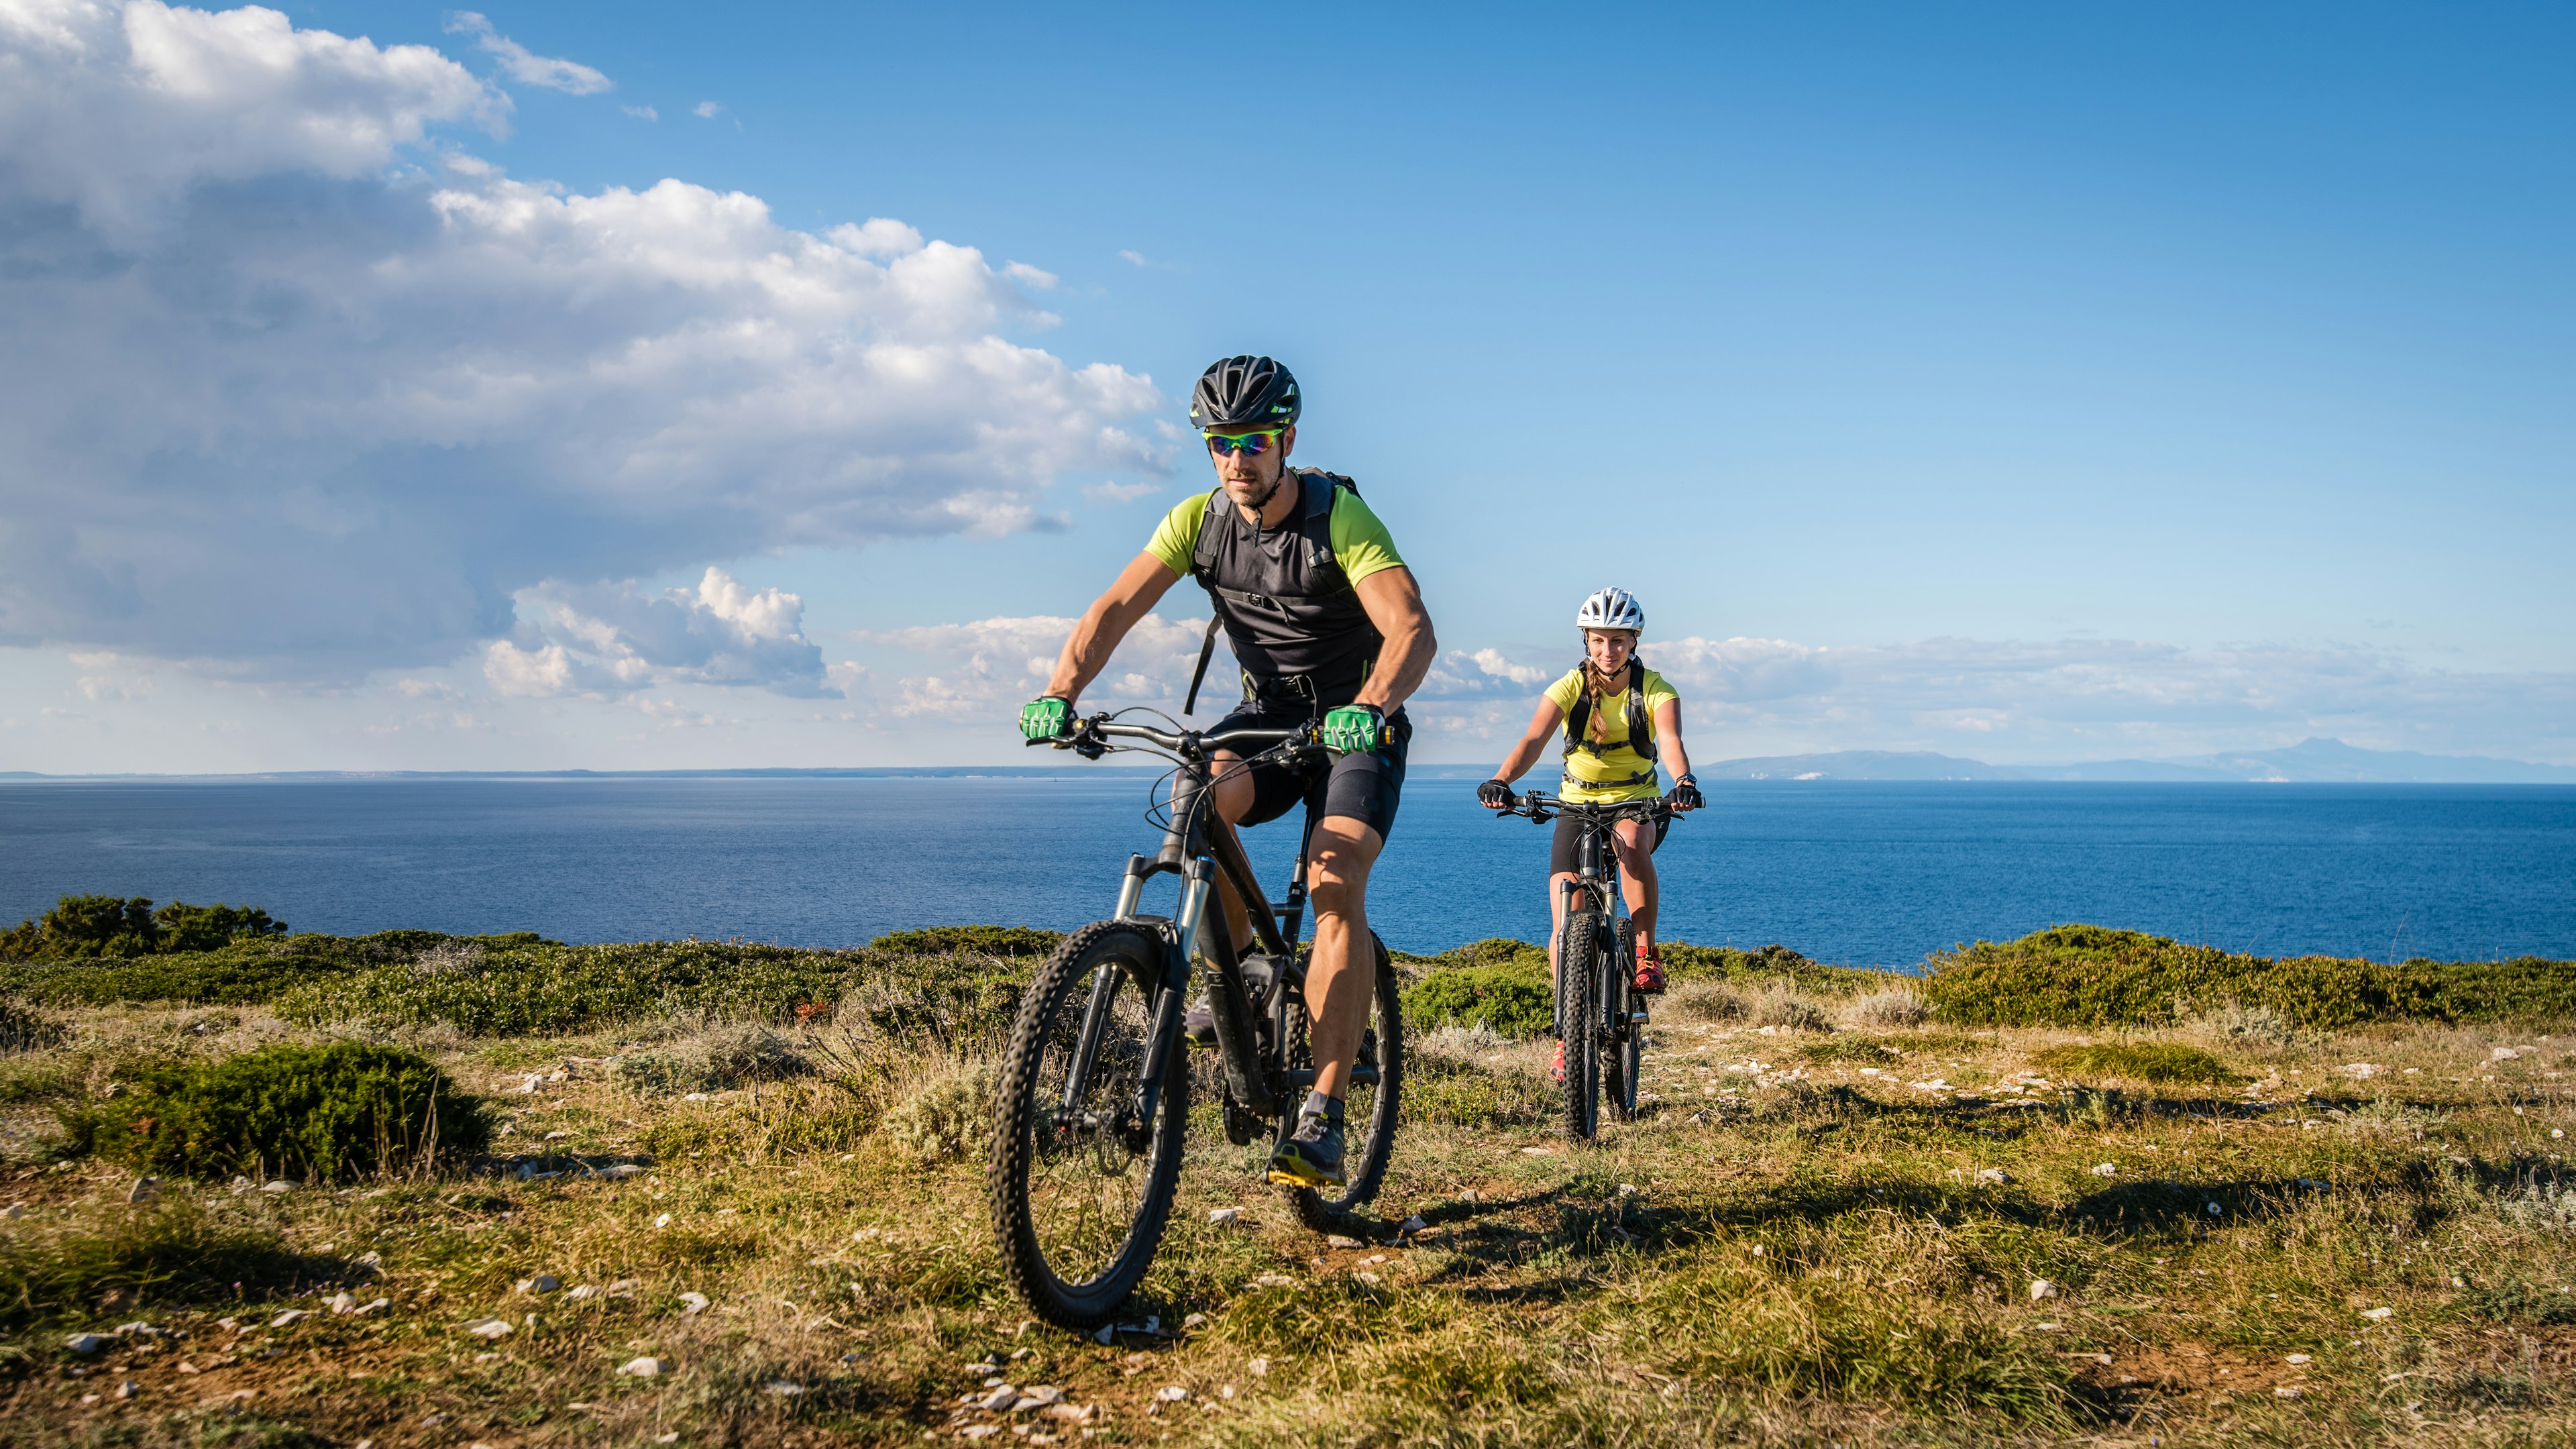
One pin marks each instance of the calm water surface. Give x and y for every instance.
(1850, 872)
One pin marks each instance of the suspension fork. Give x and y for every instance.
(1197, 879)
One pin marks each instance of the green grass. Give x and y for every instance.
(2139, 1061)
(130, 1262)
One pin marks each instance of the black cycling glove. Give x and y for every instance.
(1494, 795)
(1685, 794)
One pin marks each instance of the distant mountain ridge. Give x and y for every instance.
(2311, 761)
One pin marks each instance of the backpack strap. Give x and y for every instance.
(1578, 720)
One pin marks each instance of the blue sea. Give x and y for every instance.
(1860, 873)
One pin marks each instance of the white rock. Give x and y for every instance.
(1993, 1176)
(289, 1316)
(695, 1097)
(2502, 1054)
(1038, 1396)
(279, 1186)
(2376, 1314)
(979, 1431)
(2041, 1288)
(1267, 1280)
(1336, 1240)
(85, 1343)
(542, 1283)
(1194, 1320)
(2289, 1391)
(781, 1388)
(2106, 1169)
(342, 1303)
(1224, 1215)
(1000, 1398)
(137, 1329)
(983, 1367)
(492, 1328)
(692, 1304)
(644, 1368)
(2297, 1358)
(1258, 1368)
(585, 1290)
(2361, 1069)
(558, 1135)
(377, 1306)
(528, 1085)
(128, 1389)
(369, 1259)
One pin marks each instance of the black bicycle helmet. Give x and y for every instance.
(1244, 392)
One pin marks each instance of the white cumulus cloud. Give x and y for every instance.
(295, 388)
(986, 669)
(523, 65)
(612, 638)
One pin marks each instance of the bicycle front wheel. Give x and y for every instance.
(1624, 1056)
(1368, 1108)
(1578, 1019)
(1081, 1184)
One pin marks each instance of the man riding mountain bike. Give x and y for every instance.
(1620, 718)
(1326, 622)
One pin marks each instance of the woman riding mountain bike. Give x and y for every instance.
(1619, 719)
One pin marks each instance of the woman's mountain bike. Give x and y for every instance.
(1094, 1097)
(1600, 1016)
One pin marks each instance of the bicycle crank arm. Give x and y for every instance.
(1303, 1078)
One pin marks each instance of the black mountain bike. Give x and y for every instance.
(1094, 1098)
(1600, 1016)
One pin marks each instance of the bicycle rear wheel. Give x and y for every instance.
(1578, 1019)
(1368, 1109)
(1082, 1189)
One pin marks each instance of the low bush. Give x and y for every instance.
(970, 941)
(316, 1113)
(1778, 1003)
(123, 1262)
(22, 1030)
(715, 1060)
(247, 971)
(1512, 1000)
(1705, 1000)
(2138, 1061)
(1892, 1006)
(2093, 976)
(948, 1118)
(549, 989)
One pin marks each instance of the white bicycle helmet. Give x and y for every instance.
(1611, 609)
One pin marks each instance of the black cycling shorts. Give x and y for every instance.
(1560, 849)
(1363, 787)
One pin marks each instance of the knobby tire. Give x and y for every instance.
(1055, 1245)
(1578, 1016)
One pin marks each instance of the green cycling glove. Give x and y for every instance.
(1046, 719)
(1354, 729)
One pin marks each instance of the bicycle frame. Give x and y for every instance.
(1199, 855)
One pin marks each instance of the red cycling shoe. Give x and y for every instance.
(1650, 974)
(1556, 1069)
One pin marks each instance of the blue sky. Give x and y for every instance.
(2019, 382)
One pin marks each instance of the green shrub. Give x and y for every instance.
(318, 1113)
(249, 969)
(2093, 976)
(122, 1262)
(970, 940)
(85, 928)
(1512, 1000)
(549, 989)
(2140, 1061)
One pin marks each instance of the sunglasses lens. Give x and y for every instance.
(1254, 444)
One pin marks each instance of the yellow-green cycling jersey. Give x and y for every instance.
(1606, 768)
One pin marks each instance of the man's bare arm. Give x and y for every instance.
(1140, 586)
(1394, 604)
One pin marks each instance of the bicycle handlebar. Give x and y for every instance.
(1089, 736)
(1539, 808)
